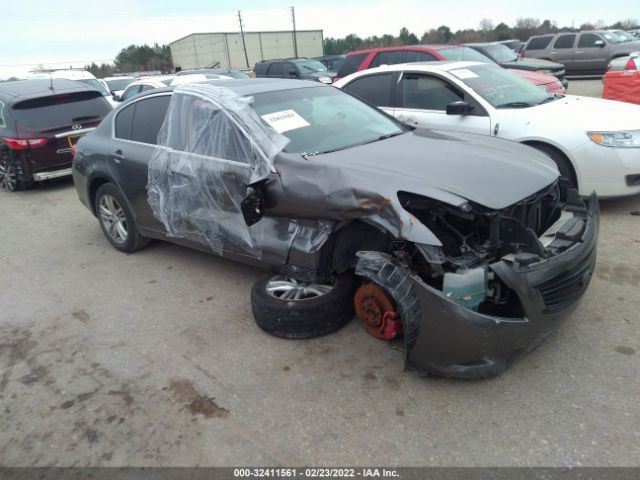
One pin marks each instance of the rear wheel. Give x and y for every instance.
(116, 220)
(12, 176)
(288, 308)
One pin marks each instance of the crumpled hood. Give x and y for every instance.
(488, 171)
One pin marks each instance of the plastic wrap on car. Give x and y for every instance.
(211, 146)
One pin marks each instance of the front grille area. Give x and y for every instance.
(564, 289)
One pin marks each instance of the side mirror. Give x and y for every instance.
(599, 43)
(459, 108)
(253, 205)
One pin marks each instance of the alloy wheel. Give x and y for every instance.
(286, 288)
(8, 176)
(113, 218)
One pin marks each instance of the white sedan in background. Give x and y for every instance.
(595, 143)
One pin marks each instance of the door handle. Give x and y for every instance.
(118, 156)
(553, 53)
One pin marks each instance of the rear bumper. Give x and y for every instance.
(40, 176)
(445, 338)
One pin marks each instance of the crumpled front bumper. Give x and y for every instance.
(447, 339)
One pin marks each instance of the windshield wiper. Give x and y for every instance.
(381, 137)
(551, 98)
(515, 105)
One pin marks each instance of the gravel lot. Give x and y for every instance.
(154, 359)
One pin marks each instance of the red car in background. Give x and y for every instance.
(374, 57)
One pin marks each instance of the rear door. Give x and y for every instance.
(134, 142)
(377, 89)
(563, 49)
(590, 57)
(276, 70)
(422, 99)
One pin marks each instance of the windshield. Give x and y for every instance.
(501, 88)
(119, 83)
(322, 119)
(500, 52)
(464, 53)
(621, 35)
(310, 66)
(94, 83)
(235, 74)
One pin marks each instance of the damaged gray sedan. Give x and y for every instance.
(469, 248)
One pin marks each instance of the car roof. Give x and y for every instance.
(252, 86)
(439, 66)
(404, 47)
(118, 77)
(40, 87)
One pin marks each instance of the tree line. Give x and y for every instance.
(136, 58)
(486, 32)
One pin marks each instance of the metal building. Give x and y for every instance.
(203, 49)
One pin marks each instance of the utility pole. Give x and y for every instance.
(295, 39)
(244, 45)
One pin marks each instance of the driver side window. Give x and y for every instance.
(205, 130)
(424, 92)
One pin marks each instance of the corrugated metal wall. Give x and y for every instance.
(201, 49)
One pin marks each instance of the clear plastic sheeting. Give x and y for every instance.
(211, 147)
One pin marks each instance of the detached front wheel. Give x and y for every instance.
(288, 308)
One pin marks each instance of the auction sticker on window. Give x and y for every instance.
(285, 120)
(463, 73)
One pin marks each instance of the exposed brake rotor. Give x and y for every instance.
(377, 312)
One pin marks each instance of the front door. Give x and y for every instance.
(422, 99)
(590, 56)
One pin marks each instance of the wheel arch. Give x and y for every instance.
(540, 143)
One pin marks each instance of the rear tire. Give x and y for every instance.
(303, 318)
(116, 220)
(12, 176)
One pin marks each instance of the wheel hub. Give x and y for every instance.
(376, 310)
(113, 218)
(8, 178)
(286, 288)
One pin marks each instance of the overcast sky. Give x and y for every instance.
(64, 32)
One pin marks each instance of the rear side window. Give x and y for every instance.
(276, 68)
(123, 122)
(260, 68)
(565, 41)
(61, 110)
(415, 56)
(351, 64)
(2, 122)
(387, 58)
(375, 89)
(148, 118)
(588, 40)
(539, 43)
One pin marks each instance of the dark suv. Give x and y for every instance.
(300, 68)
(40, 121)
(474, 260)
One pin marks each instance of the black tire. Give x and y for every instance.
(307, 318)
(133, 240)
(564, 165)
(12, 175)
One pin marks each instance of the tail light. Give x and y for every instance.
(631, 65)
(609, 67)
(522, 53)
(74, 149)
(24, 143)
